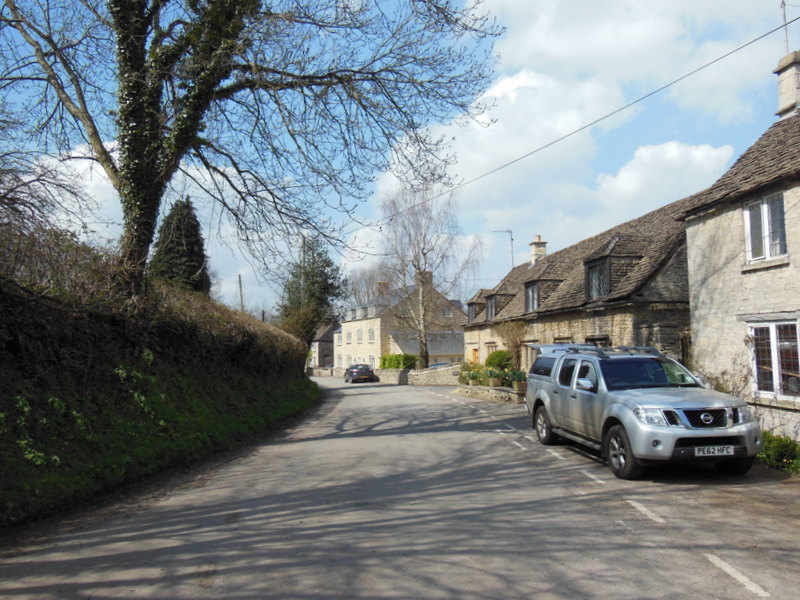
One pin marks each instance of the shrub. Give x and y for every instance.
(398, 361)
(517, 375)
(499, 359)
(780, 452)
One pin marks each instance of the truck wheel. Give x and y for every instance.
(734, 467)
(618, 453)
(541, 423)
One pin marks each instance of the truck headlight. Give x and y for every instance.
(743, 414)
(650, 416)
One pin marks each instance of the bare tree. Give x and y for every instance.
(425, 252)
(278, 110)
(365, 283)
(34, 190)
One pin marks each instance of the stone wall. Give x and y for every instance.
(492, 394)
(440, 376)
(445, 376)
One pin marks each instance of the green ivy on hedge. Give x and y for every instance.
(398, 361)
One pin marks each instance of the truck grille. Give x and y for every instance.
(712, 417)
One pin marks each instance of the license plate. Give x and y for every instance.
(713, 451)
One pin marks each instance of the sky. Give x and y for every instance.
(562, 66)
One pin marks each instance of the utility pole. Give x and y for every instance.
(302, 269)
(785, 28)
(241, 295)
(511, 236)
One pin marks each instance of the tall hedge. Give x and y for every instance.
(90, 401)
(398, 361)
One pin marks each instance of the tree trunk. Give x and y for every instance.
(140, 216)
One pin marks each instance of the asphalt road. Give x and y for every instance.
(403, 493)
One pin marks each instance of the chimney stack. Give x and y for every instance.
(423, 278)
(788, 73)
(538, 250)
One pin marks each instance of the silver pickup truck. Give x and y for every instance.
(638, 408)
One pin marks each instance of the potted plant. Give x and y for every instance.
(518, 379)
(494, 377)
(474, 377)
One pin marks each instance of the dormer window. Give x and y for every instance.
(598, 282)
(491, 307)
(531, 296)
(472, 311)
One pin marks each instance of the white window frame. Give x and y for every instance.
(491, 308)
(472, 311)
(371, 334)
(598, 280)
(531, 297)
(763, 208)
(775, 362)
(359, 335)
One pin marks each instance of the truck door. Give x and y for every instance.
(582, 406)
(562, 390)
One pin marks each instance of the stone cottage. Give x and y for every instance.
(743, 240)
(376, 328)
(625, 286)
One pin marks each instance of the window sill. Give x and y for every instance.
(769, 400)
(761, 265)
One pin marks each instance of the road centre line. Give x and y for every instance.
(751, 587)
(646, 511)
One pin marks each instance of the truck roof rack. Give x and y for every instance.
(605, 352)
(584, 350)
(640, 350)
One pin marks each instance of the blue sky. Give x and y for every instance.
(564, 64)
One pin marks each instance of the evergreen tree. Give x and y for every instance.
(312, 285)
(179, 255)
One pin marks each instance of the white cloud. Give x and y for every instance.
(570, 212)
(661, 174)
(647, 44)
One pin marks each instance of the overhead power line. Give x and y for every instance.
(574, 132)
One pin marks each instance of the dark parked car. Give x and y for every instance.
(359, 373)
